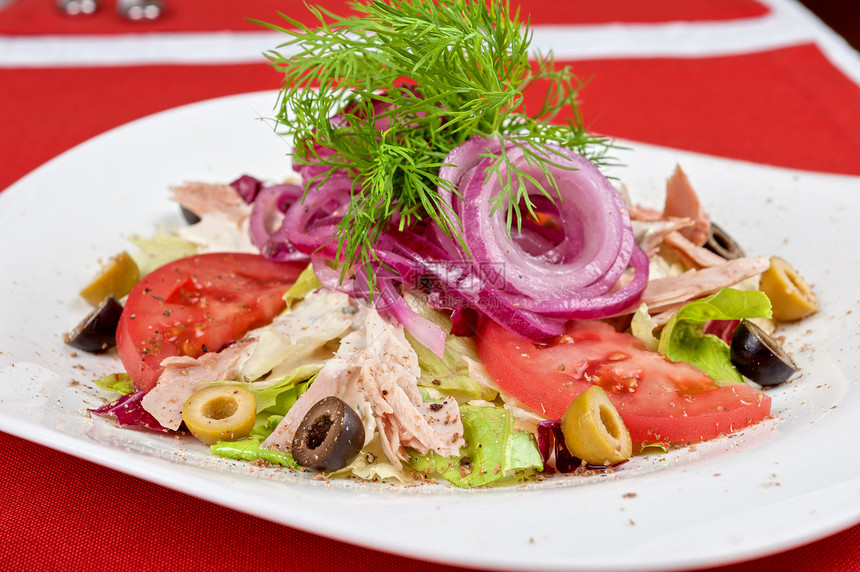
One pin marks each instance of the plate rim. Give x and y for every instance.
(44, 436)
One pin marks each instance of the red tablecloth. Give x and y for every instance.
(786, 104)
(202, 15)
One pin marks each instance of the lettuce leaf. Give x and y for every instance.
(276, 397)
(306, 283)
(305, 334)
(449, 374)
(158, 250)
(683, 338)
(281, 397)
(119, 382)
(494, 453)
(371, 464)
(249, 449)
(642, 327)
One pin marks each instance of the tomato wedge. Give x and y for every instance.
(659, 400)
(196, 305)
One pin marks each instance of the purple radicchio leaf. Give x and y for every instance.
(464, 321)
(556, 456)
(553, 451)
(723, 329)
(128, 411)
(247, 187)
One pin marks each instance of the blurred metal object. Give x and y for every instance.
(140, 9)
(77, 7)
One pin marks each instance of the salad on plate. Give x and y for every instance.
(447, 287)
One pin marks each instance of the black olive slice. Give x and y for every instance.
(189, 216)
(329, 437)
(758, 356)
(97, 332)
(720, 243)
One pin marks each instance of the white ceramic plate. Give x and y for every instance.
(785, 482)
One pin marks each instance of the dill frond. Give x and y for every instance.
(447, 70)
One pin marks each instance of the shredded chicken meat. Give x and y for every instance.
(379, 362)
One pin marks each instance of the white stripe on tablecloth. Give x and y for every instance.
(787, 24)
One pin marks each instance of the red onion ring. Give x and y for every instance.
(592, 214)
(576, 278)
(426, 332)
(266, 222)
(310, 224)
(414, 258)
(530, 281)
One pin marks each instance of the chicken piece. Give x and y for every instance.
(308, 326)
(184, 375)
(683, 202)
(379, 363)
(205, 199)
(694, 256)
(662, 293)
(650, 234)
(334, 378)
(637, 212)
(388, 380)
(224, 218)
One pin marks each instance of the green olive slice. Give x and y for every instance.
(790, 296)
(117, 277)
(220, 413)
(329, 437)
(594, 430)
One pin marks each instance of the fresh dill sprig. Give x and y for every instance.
(444, 71)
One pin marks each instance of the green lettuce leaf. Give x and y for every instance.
(119, 382)
(276, 397)
(158, 250)
(249, 449)
(449, 374)
(494, 453)
(642, 327)
(281, 397)
(683, 339)
(306, 283)
(371, 464)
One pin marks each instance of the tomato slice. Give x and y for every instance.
(659, 400)
(196, 305)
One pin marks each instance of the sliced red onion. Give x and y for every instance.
(535, 270)
(591, 213)
(464, 321)
(309, 224)
(462, 160)
(584, 265)
(331, 277)
(266, 222)
(427, 333)
(460, 284)
(596, 307)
